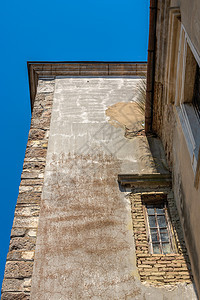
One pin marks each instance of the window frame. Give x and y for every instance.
(196, 94)
(184, 102)
(154, 202)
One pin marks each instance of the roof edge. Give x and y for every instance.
(40, 69)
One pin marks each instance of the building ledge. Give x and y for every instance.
(145, 180)
(38, 70)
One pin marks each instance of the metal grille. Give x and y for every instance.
(159, 231)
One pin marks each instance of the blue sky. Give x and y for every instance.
(63, 30)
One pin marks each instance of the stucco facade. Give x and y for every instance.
(172, 69)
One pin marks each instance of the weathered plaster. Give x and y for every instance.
(85, 247)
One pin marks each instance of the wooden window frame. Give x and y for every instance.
(188, 60)
(169, 229)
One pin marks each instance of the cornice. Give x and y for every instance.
(38, 70)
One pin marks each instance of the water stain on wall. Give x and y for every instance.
(127, 116)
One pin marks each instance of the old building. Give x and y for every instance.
(95, 216)
(104, 210)
(173, 107)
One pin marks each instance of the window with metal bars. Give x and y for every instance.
(159, 228)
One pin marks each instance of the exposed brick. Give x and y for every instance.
(153, 268)
(145, 266)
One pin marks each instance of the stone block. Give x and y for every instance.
(12, 285)
(145, 266)
(24, 189)
(28, 255)
(31, 182)
(22, 243)
(30, 174)
(15, 256)
(29, 197)
(27, 284)
(27, 210)
(37, 134)
(35, 152)
(158, 273)
(33, 167)
(15, 296)
(28, 222)
(40, 123)
(18, 269)
(32, 232)
(153, 262)
(40, 114)
(18, 232)
(17, 285)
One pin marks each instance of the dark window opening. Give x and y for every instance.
(196, 94)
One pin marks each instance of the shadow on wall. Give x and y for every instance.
(158, 155)
(159, 181)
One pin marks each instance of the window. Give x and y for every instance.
(196, 94)
(158, 228)
(187, 99)
(157, 232)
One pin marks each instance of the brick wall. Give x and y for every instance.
(159, 269)
(20, 258)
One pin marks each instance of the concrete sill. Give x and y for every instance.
(145, 180)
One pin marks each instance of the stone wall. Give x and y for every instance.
(167, 125)
(85, 246)
(20, 258)
(159, 269)
(159, 102)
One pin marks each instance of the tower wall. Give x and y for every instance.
(72, 235)
(20, 258)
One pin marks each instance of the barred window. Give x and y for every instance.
(158, 228)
